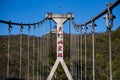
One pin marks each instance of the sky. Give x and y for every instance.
(30, 11)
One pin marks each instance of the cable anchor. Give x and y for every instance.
(93, 25)
(21, 27)
(109, 17)
(81, 28)
(9, 27)
(85, 28)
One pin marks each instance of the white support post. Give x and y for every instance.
(60, 19)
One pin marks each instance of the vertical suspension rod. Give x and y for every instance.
(109, 24)
(81, 49)
(8, 56)
(71, 49)
(33, 67)
(28, 52)
(20, 51)
(110, 52)
(85, 28)
(93, 56)
(93, 45)
(69, 35)
(37, 58)
(40, 58)
(8, 60)
(78, 57)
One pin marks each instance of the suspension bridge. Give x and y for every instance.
(47, 52)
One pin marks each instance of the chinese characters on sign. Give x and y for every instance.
(60, 42)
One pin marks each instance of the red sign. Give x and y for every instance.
(59, 48)
(60, 42)
(60, 55)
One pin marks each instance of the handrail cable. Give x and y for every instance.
(24, 24)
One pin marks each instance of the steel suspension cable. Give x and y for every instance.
(93, 55)
(40, 56)
(28, 53)
(74, 49)
(37, 58)
(81, 49)
(49, 38)
(110, 56)
(71, 51)
(8, 55)
(21, 29)
(8, 61)
(47, 45)
(70, 39)
(47, 63)
(46, 56)
(78, 57)
(76, 52)
(51, 41)
(33, 64)
(75, 39)
(93, 45)
(109, 24)
(43, 56)
(85, 28)
(45, 51)
(69, 34)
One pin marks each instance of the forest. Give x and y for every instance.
(44, 56)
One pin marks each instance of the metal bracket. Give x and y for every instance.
(9, 27)
(93, 25)
(85, 28)
(21, 28)
(109, 17)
